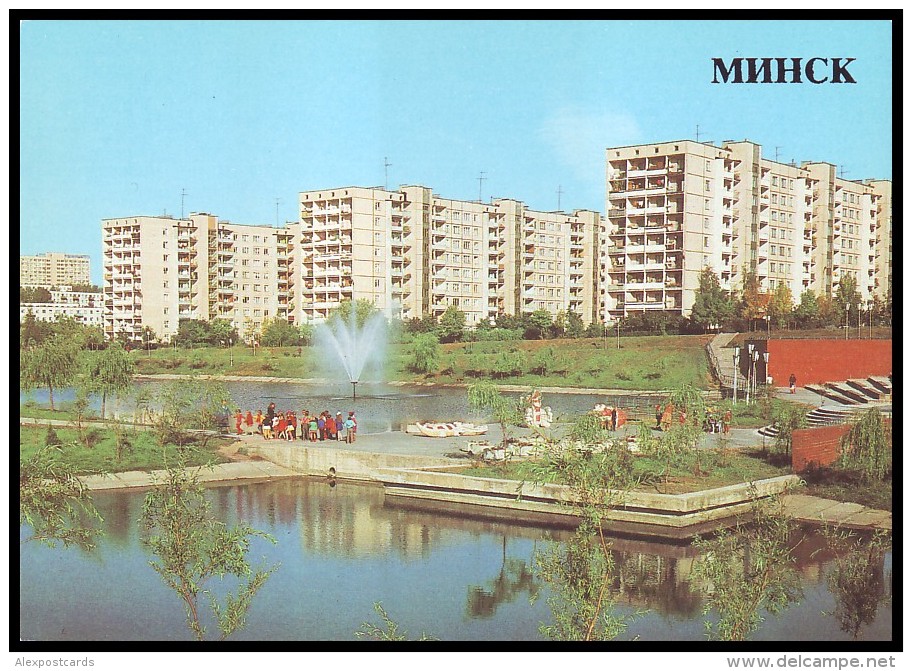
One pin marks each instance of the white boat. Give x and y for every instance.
(447, 429)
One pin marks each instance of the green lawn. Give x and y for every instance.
(641, 363)
(100, 455)
(63, 411)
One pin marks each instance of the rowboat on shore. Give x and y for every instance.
(446, 429)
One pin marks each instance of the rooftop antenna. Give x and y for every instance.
(481, 178)
(698, 132)
(183, 193)
(777, 148)
(559, 192)
(277, 201)
(386, 167)
(842, 172)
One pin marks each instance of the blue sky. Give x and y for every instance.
(118, 117)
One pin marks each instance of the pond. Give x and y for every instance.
(342, 548)
(379, 407)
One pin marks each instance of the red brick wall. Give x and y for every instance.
(816, 361)
(819, 445)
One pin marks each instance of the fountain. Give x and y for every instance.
(354, 344)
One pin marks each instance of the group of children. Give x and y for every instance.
(286, 425)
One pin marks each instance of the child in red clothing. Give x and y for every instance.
(282, 428)
(238, 420)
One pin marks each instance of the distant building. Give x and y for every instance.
(90, 315)
(54, 269)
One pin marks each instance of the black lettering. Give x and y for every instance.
(764, 69)
(719, 70)
(839, 71)
(795, 70)
(809, 71)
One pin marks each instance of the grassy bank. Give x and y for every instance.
(641, 363)
(95, 450)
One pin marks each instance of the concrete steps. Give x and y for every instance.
(866, 388)
(830, 394)
(848, 392)
(882, 383)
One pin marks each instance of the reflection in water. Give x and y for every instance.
(857, 582)
(514, 578)
(455, 577)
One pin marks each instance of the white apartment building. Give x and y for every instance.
(54, 269)
(413, 253)
(675, 208)
(90, 315)
(159, 270)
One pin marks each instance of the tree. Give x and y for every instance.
(221, 332)
(575, 327)
(34, 295)
(536, 324)
(781, 304)
(426, 356)
(745, 571)
(847, 295)
(192, 332)
(277, 332)
(483, 396)
(390, 630)
(807, 312)
(363, 311)
(867, 447)
(753, 302)
(54, 502)
(191, 547)
(110, 371)
(712, 305)
(53, 363)
(558, 327)
(32, 331)
(452, 324)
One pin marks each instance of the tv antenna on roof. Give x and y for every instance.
(698, 132)
(777, 148)
(386, 167)
(481, 178)
(183, 193)
(559, 192)
(277, 201)
(842, 172)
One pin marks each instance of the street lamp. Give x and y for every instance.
(737, 359)
(618, 324)
(870, 320)
(754, 369)
(750, 357)
(230, 352)
(766, 363)
(860, 306)
(847, 321)
(767, 319)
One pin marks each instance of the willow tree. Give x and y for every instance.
(110, 371)
(52, 363)
(866, 448)
(191, 548)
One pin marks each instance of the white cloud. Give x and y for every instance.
(579, 137)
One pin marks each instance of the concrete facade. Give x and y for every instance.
(677, 207)
(54, 269)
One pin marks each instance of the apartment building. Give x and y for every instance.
(54, 269)
(88, 314)
(158, 270)
(677, 207)
(883, 235)
(413, 253)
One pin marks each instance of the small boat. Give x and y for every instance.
(449, 429)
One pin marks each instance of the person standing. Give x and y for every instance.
(792, 382)
(238, 420)
(340, 426)
(350, 428)
(330, 426)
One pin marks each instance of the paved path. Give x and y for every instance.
(234, 471)
(846, 515)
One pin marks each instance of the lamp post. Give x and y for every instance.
(768, 320)
(750, 357)
(860, 306)
(847, 321)
(870, 320)
(618, 324)
(766, 363)
(754, 370)
(230, 352)
(737, 359)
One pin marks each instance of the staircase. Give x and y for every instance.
(825, 415)
(721, 362)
